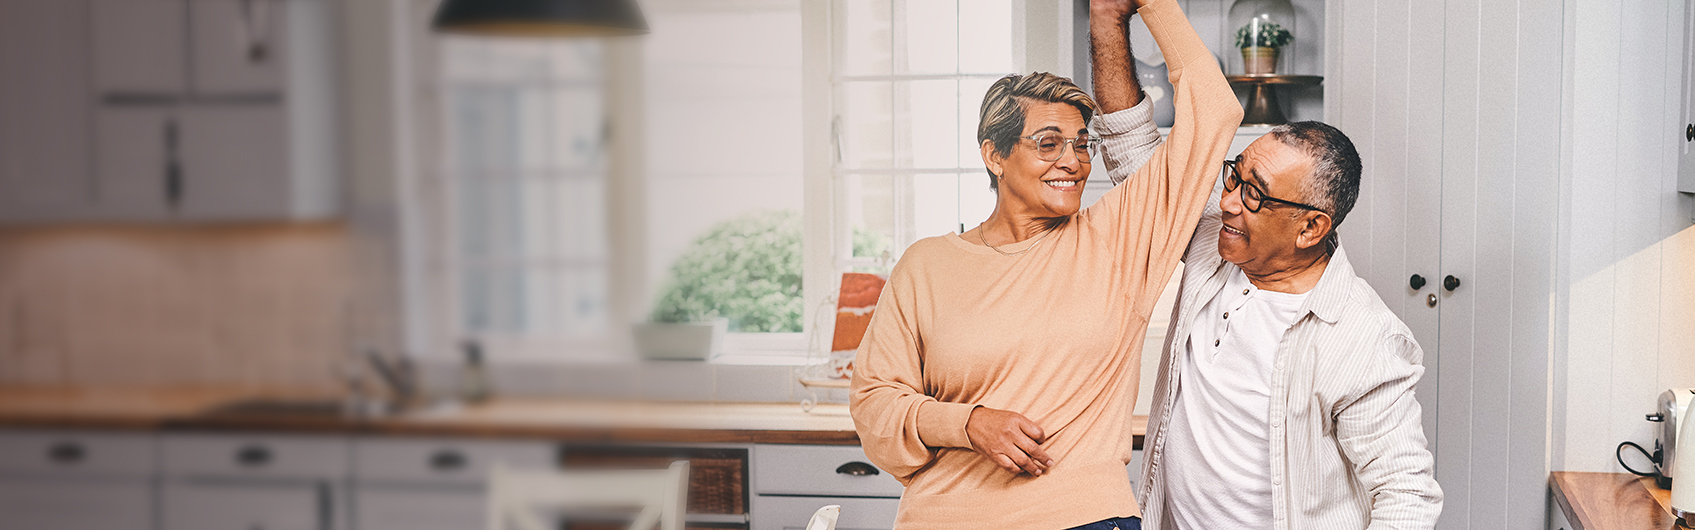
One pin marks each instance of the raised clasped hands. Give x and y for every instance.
(1009, 439)
(1114, 9)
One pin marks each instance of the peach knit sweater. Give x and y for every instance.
(1054, 333)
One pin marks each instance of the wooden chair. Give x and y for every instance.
(520, 497)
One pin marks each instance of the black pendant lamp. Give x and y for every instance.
(541, 18)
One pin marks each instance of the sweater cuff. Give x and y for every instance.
(942, 424)
(1137, 120)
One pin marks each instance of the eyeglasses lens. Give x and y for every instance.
(1050, 146)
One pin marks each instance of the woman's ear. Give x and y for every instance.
(992, 159)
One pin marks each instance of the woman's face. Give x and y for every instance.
(1034, 188)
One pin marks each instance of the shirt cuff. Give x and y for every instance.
(942, 424)
(1137, 120)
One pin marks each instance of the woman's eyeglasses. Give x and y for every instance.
(1050, 146)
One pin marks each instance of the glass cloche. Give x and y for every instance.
(1262, 31)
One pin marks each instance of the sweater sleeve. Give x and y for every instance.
(899, 424)
(1150, 217)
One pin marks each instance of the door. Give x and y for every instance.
(1455, 110)
(246, 505)
(139, 47)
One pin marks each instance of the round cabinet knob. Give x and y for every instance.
(65, 453)
(1416, 282)
(1689, 133)
(253, 456)
(1430, 301)
(1450, 283)
(447, 461)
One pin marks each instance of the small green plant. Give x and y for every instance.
(746, 270)
(1269, 35)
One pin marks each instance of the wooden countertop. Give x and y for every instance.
(558, 419)
(1611, 501)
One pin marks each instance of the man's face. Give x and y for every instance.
(1263, 240)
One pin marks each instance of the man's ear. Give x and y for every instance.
(1314, 229)
(991, 159)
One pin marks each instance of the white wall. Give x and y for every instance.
(1628, 277)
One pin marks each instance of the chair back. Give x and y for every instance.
(519, 497)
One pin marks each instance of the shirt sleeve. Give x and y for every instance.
(1151, 217)
(899, 425)
(1381, 433)
(1128, 139)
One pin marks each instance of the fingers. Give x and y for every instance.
(1010, 440)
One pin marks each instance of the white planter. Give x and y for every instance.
(681, 340)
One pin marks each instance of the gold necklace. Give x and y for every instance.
(981, 236)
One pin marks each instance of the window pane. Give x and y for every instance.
(871, 213)
(931, 37)
(935, 204)
(976, 200)
(985, 36)
(864, 45)
(971, 91)
(934, 141)
(866, 117)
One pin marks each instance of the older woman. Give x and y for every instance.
(999, 373)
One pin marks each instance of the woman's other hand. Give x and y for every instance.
(1009, 439)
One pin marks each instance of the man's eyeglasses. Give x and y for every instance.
(1050, 145)
(1254, 198)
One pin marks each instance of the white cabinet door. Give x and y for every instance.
(235, 163)
(138, 170)
(792, 513)
(418, 508)
(140, 47)
(245, 506)
(239, 45)
(44, 110)
(39, 503)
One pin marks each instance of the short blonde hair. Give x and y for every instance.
(1001, 120)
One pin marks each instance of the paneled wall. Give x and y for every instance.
(1628, 285)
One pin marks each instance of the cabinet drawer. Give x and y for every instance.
(255, 456)
(105, 503)
(397, 508)
(227, 506)
(812, 470)
(77, 453)
(445, 460)
(792, 513)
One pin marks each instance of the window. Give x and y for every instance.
(909, 77)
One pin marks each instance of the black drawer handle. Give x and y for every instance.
(66, 453)
(253, 456)
(858, 469)
(447, 461)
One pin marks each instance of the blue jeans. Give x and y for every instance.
(1116, 523)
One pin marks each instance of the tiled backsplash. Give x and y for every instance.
(256, 307)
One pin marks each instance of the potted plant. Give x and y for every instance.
(742, 275)
(1260, 40)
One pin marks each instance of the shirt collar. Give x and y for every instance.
(1327, 299)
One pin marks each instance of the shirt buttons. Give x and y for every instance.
(1215, 342)
(1244, 291)
(1226, 315)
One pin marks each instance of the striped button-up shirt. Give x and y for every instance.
(1347, 446)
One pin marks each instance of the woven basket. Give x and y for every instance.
(717, 478)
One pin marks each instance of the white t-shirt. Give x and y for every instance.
(1217, 457)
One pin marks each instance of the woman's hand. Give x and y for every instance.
(1119, 10)
(1009, 439)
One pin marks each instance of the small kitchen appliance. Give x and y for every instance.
(1673, 407)
(1683, 491)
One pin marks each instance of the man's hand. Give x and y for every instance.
(1009, 439)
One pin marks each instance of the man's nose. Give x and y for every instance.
(1231, 201)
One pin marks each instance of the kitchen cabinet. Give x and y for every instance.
(45, 136)
(792, 481)
(1456, 116)
(63, 479)
(433, 483)
(242, 481)
(193, 110)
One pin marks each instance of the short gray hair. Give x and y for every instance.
(1334, 183)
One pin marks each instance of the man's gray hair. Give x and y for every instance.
(1335, 180)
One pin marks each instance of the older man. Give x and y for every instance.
(1285, 391)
